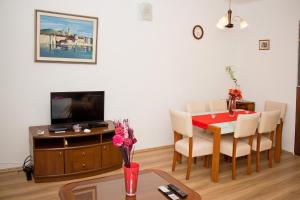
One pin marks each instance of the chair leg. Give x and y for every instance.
(258, 152)
(175, 158)
(270, 157)
(233, 164)
(205, 161)
(257, 161)
(189, 167)
(195, 160)
(270, 151)
(249, 169)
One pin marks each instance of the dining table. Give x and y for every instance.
(218, 124)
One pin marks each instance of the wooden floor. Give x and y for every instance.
(280, 182)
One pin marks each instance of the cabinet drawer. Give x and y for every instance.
(77, 160)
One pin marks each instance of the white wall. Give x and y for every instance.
(145, 67)
(271, 75)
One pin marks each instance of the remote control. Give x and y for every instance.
(177, 191)
(164, 189)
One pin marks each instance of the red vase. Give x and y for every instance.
(131, 178)
(233, 104)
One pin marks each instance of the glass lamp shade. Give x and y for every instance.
(223, 22)
(243, 24)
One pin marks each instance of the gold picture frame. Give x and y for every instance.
(264, 44)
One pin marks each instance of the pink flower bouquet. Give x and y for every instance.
(124, 139)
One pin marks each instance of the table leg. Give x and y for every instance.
(278, 141)
(216, 153)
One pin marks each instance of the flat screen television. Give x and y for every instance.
(77, 107)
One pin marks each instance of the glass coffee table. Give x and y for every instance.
(112, 188)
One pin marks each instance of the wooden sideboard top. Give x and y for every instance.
(33, 131)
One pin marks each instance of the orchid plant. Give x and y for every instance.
(124, 139)
(234, 93)
(231, 73)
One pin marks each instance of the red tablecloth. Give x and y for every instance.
(203, 121)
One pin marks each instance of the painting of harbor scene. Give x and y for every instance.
(65, 38)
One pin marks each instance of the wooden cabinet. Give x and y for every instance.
(61, 156)
(246, 105)
(48, 162)
(110, 155)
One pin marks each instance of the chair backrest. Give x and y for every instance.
(218, 105)
(181, 122)
(268, 121)
(246, 125)
(196, 107)
(273, 105)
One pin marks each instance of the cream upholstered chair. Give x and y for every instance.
(218, 105)
(267, 125)
(184, 142)
(246, 126)
(273, 105)
(198, 107)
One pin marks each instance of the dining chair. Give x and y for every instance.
(184, 142)
(234, 147)
(199, 107)
(274, 105)
(261, 142)
(195, 107)
(218, 105)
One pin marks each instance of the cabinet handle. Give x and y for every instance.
(83, 153)
(104, 147)
(60, 153)
(83, 165)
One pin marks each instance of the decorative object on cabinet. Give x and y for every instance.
(61, 156)
(233, 96)
(228, 20)
(198, 32)
(68, 38)
(264, 44)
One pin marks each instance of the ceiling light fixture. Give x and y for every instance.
(227, 20)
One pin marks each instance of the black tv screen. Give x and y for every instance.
(77, 107)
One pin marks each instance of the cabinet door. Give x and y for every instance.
(48, 162)
(81, 159)
(111, 155)
(246, 106)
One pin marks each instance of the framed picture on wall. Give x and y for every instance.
(68, 38)
(264, 44)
